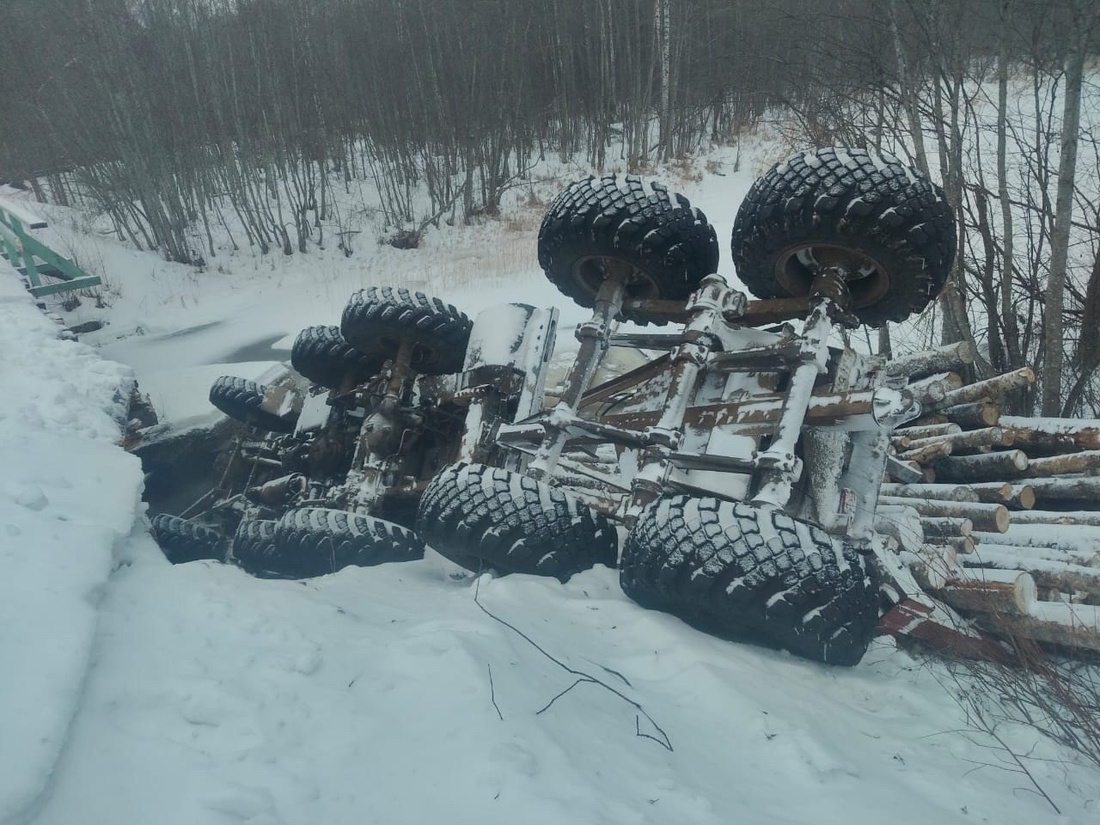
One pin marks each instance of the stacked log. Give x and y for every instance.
(998, 516)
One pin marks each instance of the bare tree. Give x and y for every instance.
(1053, 332)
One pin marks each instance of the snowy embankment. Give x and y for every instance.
(137, 692)
(68, 496)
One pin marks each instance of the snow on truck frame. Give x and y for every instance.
(740, 464)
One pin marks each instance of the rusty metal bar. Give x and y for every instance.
(780, 465)
(593, 335)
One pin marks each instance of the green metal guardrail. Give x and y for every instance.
(34, 260)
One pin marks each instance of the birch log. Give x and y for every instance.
(992, 518)
(929, 430)
(945, 526)
(981, 467)
(931, 450)
(932, 566)
(960, 545)
(1065, 578)
(1057, 465)
(1010, 592)
(977, 414)
(1057, 434)
(1013, 496)
(1079, 556)
(1084, 488)
(941, 492)
(966, 440)
(950, 358)
(1069, 625)
(988, 390)
(900, 522)
(935, 388)
(1085, 538)
(1071, 518)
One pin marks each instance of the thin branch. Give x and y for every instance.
(552, 701)
(493, 692)
(615, 673)
(639, 732)
(664, 741)
(1024, 769)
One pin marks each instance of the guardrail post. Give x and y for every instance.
(24, 251)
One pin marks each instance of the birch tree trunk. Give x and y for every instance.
(1053, 333)
(1008, 313)
(662, 21)
(908, 94)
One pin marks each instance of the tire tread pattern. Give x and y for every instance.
(242, 401)
(254, 545)
(752, 574)
(322, 355)
(314, 541)
(182, 540)
(856, 198)
(378, 315)
(659, 232)
(478, 516)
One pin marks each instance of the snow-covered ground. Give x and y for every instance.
(133, 691)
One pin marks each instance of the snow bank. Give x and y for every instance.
(67, 494)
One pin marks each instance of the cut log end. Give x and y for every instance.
(992, 591)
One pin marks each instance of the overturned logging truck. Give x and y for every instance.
(754, 475)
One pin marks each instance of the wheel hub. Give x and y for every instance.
(592, 270)
(796, 268)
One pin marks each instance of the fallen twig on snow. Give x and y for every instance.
(582, 678)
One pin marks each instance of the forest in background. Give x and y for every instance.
(193, 123)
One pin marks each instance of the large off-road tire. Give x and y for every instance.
(484, 517)
(890, 227)
(377, 319)
(321, 355)
(254, 545)
(242, 400)
(182, 540)
(313, 541)
(754, 575)
(657, 240)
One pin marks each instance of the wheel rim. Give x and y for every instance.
(796, 267)
(424, 354)
(592, 270)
